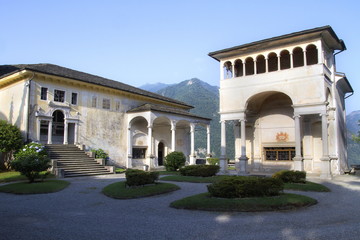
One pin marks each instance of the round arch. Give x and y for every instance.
(256, 100)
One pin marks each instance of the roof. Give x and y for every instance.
(326, 32)
(160, 108)
(55, 70)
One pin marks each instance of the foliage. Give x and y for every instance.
(99, 153)
(242, 187)
(31, 160)
(140, 178)
(199, 170)
(289, 176)
(193, 179)
(12, 176)
(207, 203)
(213, 161)
(120, 191)
(10, 137)
(48, 186)
(174, 161)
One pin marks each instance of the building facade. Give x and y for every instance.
(56, 105)
(287, 101)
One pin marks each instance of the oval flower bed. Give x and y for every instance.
(47, 186)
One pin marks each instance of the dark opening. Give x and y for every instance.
(249, 66)
(239, 71)
(161, 154)
(260, 64)
(272, 62)
(298, 57)
(284, 60)
(311, 55)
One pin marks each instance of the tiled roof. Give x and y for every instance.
(56, 70)
(159, 108)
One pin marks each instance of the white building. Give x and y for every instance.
(56, 105)
(288, 102)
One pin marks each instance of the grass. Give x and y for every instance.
(192, 179)
(204, 202)
(47, 186)
(308, 186)
(120, 191)
(12, 176)
(120, 170)
(168, 173)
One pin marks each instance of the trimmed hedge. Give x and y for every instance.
(288, 176)
(199, 170)
(140, 178)
(242, 187)
(174, 161)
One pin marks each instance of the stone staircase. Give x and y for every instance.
(74, 162)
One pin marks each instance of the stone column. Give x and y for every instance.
(279, 62)
(255, 67)
(66, 132)
(291, 61)
(244, 68)
(298, 160)
(305, 61)
(150, 148)
(129, 144)
(38, 126)
(266, 65)
(243, 159)
(208, 151)
(173, 135)
(76, 132)
(50, 132)
(192, 144)
(233, 69)
(325, 160)
(223, 160)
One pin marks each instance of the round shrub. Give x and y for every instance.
(199, 170)
(242, 187)
(288, 176)
(140, 178)
(31, 160)
(174, 161)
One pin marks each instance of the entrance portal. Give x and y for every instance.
(161, 154)
(58, 127)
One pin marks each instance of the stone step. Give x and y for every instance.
(85, 174)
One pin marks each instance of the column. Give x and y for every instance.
(129, 144)
(173, 135)
(298, 160)
(244, 68)
(243, 159)
(237, 146)
(325, 160)
(50, 132)
(66, 132)
(38, 126)
(192, 144)
(305, 60)
(291, 61)
(208, 151)
(279, 62)
(255, 67)
(76, 132)
(150, 148)
(223, 160)
(266, 64)
(233, 69)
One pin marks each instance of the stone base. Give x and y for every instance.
(325, 168)
(223, 166)
(298, 163)
(243, 166)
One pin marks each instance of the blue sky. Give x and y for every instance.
(139, 42)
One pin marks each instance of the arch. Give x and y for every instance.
(260, 64)
(135, 119)
(58, 126)
(239, 68)
(311, 55)
(254, 103)
(284, 59)
(162, 121)
(249, 66)
(228, 70)
(298, 57)
(272, 62)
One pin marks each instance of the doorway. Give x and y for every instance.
(161, 154)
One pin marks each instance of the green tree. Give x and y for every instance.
(10, 141)
(356, 138)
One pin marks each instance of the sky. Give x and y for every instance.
(149, 41)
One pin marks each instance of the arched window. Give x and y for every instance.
(284, 59)
(260, 64)
(272, 62)
(227, 70)
(239, 69)
(311, 55)
(298, 57)
(249, 66)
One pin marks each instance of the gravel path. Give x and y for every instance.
(81, 211)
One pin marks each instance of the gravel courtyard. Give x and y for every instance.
(81, 211)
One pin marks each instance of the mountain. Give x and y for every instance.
(205, 98)
(154, 87)
(353, 149)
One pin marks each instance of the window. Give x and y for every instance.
(74, 98)
(138, 153)
(93, 102)
(311, 55)
(106, 103)
(298, 57)
(239, 71)
(43, 94)
(279, 153)
(260, 64)
(117, 106)
(284, 60)
(249, 66)
(59, 96)
(272, 62)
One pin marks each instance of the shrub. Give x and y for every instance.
(174, 161)
(242, 187)
(31, 160)
(99, 153)
(213, 161)
(140, 178)
(199, 170)
(10, 141)
(288, 176)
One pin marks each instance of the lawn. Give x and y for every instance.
(120, 191)
(308, 186)
(47, 186)
(12, 176)
(204, 202)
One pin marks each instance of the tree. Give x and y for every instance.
(10, 141)
(356, 138)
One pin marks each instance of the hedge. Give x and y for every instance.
(288, 176)
(140, 178)
(199, 170)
